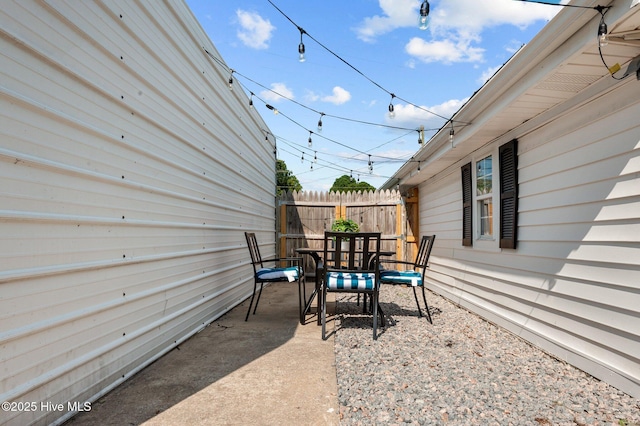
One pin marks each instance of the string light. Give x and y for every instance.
(322, 114)
(310, 141)
(392, 113)
(302, 159)
(602, 28)
(424, 15)
(272, 108)
(354, 68)
(451, 133)
(251, 100)
(315, 156)
(301, 58)
(320, 122)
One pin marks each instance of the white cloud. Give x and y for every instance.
(446, 51)
(277, 93)
(311, 96)
(413, 117)
(396, 14)
(255, 31)
(339, 96)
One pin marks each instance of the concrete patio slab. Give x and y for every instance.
(269, 370)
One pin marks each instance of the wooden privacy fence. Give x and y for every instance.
(303, 217)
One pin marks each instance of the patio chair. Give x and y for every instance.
(413, 276)
(262, 275)
(352, 267)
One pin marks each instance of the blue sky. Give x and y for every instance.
(382, 52)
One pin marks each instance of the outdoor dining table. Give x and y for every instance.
(316, 254)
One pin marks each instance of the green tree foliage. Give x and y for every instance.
(285, 179)
(348, 184)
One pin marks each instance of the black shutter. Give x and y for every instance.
(467, 195)
(509, 194)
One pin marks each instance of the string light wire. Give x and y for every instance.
(357, 70)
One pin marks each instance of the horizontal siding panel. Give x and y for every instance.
(599, 211)
(614, 189)
(619, 231)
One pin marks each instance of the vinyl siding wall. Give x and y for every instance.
(129, 172)
(572, 286)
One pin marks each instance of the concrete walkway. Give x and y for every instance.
(268, 371)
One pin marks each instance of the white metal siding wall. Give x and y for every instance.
(129, 172)
(572, 286)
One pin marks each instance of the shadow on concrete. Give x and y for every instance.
(268, 370)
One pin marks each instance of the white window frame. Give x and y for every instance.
(484, 241)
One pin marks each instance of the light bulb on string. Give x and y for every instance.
(310, 141)
(423, 21)
(320, 122)
(602, 32)
(272, 108)
(251, 101)
(301, 49)
(392, 113)
(231, 80)
(451, 133)
(315, 157)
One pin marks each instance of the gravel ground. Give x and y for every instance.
(462, 370)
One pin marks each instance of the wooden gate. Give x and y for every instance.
(303, 217)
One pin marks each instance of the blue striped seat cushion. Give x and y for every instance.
(412, 278)
(279, 274)
(348, 281)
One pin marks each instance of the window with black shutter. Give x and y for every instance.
(508, 194)
(467, 202)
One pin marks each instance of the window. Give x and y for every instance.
(507, 181)
(484, 196)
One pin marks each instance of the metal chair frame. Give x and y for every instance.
(359, 258)
(258, 263)
(420, 264)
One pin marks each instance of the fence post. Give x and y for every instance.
(412, 203)
(400, 222)
(283, 230)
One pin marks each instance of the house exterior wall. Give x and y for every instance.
(572, 285)
(129, 173)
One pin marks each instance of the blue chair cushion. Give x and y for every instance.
(350, 281)
(279, 274)
(412, 278)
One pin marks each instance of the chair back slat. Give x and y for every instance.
(424, 251)
(361, 251)
(254, 250)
